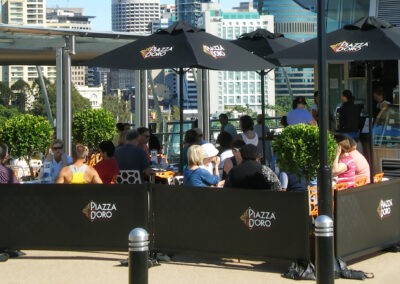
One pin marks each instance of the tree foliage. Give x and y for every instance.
(26, 134)
(298, 147)
(91, 126)
(119, 108)
(6, 113)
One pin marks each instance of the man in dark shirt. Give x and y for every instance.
(349, 116)
(6, 174)
(130, 157)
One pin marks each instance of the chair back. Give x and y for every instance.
(378, 177)
(360, 181)
(341, 186)
(128, 177)
(313, 201)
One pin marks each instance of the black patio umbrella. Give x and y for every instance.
(181, 46)
(263, 43)
(368, 39)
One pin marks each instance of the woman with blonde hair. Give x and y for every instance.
(344, 167)
(194, 174)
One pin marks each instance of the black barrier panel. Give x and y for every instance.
(231, 223)
(83, 217)
(367, 219)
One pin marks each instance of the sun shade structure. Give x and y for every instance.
(177, 47)
(263, 43)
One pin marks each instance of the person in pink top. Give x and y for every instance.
(344, 167)
(362, 166)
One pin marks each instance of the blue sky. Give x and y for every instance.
(102, 9)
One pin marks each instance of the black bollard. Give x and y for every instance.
(324, 260)
(138, 255)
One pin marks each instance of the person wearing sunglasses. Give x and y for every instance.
(57, 158)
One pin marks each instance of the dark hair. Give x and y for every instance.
(107, 147)
(223, 115)
(131, 135)
(315, 94)
(297, 101)
(348, 95)
(284, 121)
(142, 130)
(248, 152)
(225, 140)
(3, 151)
(238, 144)
(247, 123)
(121, 126)
(191, 137)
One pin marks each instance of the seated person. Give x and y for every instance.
(6, 174)
(251, 174)
(58, 159)
(344, 167)
(292, 182)
(211, 159)
(225, 149)
(194, 174)
(362, 166)
(79, 172)
(107, 168)
(231, 162)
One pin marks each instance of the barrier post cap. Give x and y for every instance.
(323, 221)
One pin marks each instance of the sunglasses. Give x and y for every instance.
(57, 148)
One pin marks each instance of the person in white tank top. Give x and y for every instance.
(249, 136)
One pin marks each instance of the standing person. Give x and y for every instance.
(349, 116)
(79, 172)
(6, 174)
(107, 168)
(299, 114)
(194, 174)
(314, 107)
(226, 126)
(267, 143)
(249, 136)
(58, 159)
(143, 141)
(121, 130)
(224, 140)
(381, 103)
(130, 157)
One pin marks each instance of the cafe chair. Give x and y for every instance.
(313, 201)
(341, 186)
(378, 177)
(128, 177)
(177, 180)
(360, 181)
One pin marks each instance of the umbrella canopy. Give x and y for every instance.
(368, 39)
(263, 43)
(181, 46)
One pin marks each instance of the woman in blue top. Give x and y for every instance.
(194, 175)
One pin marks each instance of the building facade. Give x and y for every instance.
(189, 11)
(297, 23)
(231, 88)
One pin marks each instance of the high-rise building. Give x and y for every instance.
(189, 11)
(231, 88)
(298, 23)
(134, 15)
(167, 17)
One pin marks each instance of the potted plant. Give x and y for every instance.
(297, 150)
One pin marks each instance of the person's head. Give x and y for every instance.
(353, 144)
(191, 137)
(249, 152)
(378, 94)
(236, 146)
(209, 151)
(57, 148)
(3, 152)
(144, 135)
(223, 119)
(299, 102)
(246, 123)
(195, 155)
(224, 140)
(107, 148)
(199, 132)
(122, 126)
(132, 137)
(80, 152)
(347, 96)
(284, 122)
(259, 119)
(344, 143)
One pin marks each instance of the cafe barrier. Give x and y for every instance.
(83, 217)
(230, 223)
(367, 219)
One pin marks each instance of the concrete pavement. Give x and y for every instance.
(59, 267)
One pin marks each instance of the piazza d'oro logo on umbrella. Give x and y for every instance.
(215, 51)
(257, 219)
(155, 52)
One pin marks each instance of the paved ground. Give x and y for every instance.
(55, 267)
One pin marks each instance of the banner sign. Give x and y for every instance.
(88, 217)
(367, 219)
(231, 222)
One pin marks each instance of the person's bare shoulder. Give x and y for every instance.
(65, 175)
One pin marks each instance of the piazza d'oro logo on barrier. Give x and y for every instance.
(257, 219)
(96, 211)
(385, 208)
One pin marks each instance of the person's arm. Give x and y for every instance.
(337, 167)
(61, 178)
(208, 178)
(95, 176)
(228, 165)
(283, 178)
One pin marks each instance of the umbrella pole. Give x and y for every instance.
(181, 72)
(370, 117)
(262, 75)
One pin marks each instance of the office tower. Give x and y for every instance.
(231, 88)
(167, 17)
(134, 15)
(297, 23)
(189, 11)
